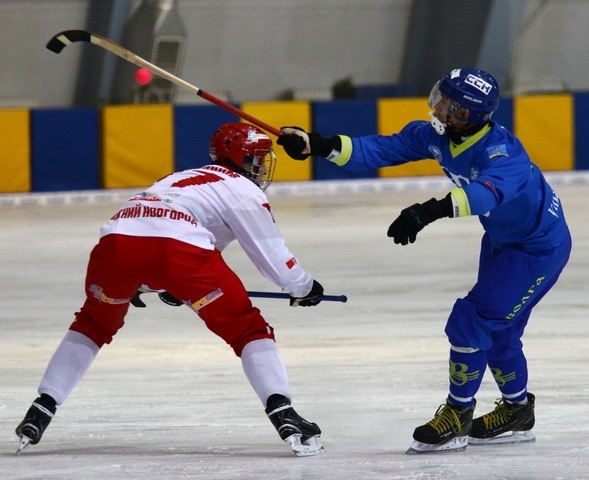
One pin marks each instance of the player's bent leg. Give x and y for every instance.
(265, 371)
(218, 296)
(202, 280)
(221, 301)
(71, 360)
(263, 367)
(236, 321)
(109, 289)
(449, 429)
(67, 366)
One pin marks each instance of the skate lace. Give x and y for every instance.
(499, 416)
(446, 418)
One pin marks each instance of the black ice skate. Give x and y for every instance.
(508, 423)
(301, 435)
(36, 420)
(446, 432)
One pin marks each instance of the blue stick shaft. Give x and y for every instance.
(323, 298)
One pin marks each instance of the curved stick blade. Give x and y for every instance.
(58, 42)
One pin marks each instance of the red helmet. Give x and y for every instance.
(246, 150)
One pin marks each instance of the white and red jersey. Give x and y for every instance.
(209, 207)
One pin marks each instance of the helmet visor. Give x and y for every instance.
(446, 108)
(435, 96)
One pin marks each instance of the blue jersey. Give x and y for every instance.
(496, 178)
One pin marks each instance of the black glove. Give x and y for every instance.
(170, 299)
(165, 297)
(299, 144)
(309, 300)
(414, 218)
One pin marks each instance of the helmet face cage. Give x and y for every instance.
(261, 168)
(246, 150)
(435, 97)
(473, 95)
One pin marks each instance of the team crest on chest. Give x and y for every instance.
(474, 173)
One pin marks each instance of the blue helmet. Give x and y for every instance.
(472, 89)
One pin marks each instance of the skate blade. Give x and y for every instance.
(24, 443)
(505, 439)
(311, 446)
(457, 444)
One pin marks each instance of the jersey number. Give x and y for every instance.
(206, 177)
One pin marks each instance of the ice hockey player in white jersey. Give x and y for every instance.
(169, 239)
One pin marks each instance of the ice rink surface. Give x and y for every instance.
(168, 400)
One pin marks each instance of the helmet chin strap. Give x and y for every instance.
(450, 130)
(439, 127)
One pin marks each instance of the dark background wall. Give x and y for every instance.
(250, 50)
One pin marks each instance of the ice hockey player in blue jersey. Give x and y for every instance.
(525, 246)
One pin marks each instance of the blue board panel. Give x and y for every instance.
(349, 117)
(193, 127)
(65, 149)
(581, 126)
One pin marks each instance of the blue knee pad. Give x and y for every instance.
(466, 328)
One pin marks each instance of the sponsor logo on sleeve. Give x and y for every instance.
(290, 264)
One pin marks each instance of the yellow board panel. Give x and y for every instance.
(15, 151)
(544, 124)
(280, 114)
(138, 145)
(393, 115)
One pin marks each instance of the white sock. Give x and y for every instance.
(264, 369)
(67, 366)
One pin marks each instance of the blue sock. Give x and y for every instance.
(466, 375)
(511, 376)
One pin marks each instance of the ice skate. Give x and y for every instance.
(508, 423)
(446, 432)
(36, 420)
(302, 435)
